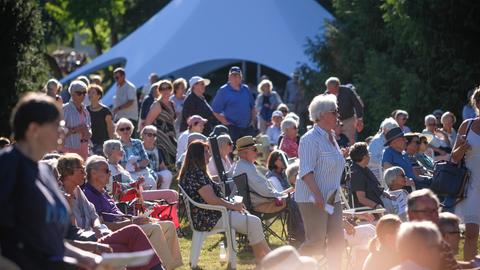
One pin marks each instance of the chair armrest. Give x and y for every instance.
(209, 207)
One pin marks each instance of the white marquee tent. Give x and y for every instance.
(195, 37)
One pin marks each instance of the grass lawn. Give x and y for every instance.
(209, 257)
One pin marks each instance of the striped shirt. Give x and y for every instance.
(72, 119)
(318, 155)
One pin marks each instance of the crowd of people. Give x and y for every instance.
(72, 163)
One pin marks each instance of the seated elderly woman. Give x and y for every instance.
(225, 147)
(135, 159)
(396, 181)
(277, 164)
(155, 155)
(113, 150)
(127, 239)
(194, 179)
(425, 154)
(376, 146)
(162, 234)
(412, 150)
(289, 140)
(401, 117)
(439, 143)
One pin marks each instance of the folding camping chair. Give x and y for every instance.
(268, 219)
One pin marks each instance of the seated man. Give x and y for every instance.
(394, 155)
(162, 235)
(449, 225)
(266, 201)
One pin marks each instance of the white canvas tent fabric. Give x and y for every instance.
(195, 37)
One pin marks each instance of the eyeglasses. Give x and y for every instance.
(230, 143)
(148, 134)
(81, 93)
(124, 129)
(165, 88)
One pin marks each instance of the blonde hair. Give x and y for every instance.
(262, 83)
(387, 225)
(474, 98)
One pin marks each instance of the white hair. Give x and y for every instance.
(401, 112)
(124, 121)
(321, 104)
(110, 145)
(388, 124)
(92, 163)
(150, 128)
(415, 234)
(288, 123)
(76, 86)
(448, 114)
(52, 86)
(332, 79)
(223, 140)
(430, 117)
(262, 83)
(390, 174)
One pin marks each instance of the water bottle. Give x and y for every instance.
(223, 253)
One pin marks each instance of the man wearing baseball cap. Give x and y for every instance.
(234, 106)
(196, 104)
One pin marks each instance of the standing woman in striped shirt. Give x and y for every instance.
(321, 167)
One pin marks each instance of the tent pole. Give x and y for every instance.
(259, 72)
(244, 69)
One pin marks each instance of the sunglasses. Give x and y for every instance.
(149, 134)
(165, 88)
(81, 93)
(124, 129)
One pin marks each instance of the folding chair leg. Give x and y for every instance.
(197, 242)
(231, 247)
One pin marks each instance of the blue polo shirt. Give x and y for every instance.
(398, 159)
(236, 105)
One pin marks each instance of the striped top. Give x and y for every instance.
(318, 155)
(72, 119)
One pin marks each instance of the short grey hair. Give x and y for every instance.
(262, 83)
(388, 124)
(92, 163)
(390, 174)
(52, 86)
(430, 117)
(332, 80)
(412, 235)
(76, 86)
(321, 104)
(150, 128)
(223, 140)
(124, 121)
(416, 195)
(401, 112)
(110, 145)
(288, 123)
(448, 114)
(447, 221)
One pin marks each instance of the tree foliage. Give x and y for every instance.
(414, 55)
(23, 67)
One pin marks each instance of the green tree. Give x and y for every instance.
(23, 67)
(414, 55)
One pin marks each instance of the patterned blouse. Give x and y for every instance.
(289, 146)
(194, 179)
(134, 149)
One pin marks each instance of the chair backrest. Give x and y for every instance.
(186, 202)
(241, 181)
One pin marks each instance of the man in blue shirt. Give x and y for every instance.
(234, 106)
(395, 155)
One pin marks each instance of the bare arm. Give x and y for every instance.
(221, 118)
(362, 198)
(110, 127)
(461, 146)
(253, 116)
(155, 110)
(207, 194)
(386, 165)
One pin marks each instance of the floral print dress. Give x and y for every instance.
(195, 179)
